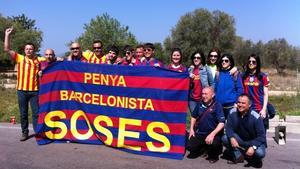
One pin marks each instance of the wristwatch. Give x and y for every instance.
(254, 147)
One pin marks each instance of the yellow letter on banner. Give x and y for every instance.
(56, 124)
(158, 137)
(74, 131)
(106, 132)
(123, 133)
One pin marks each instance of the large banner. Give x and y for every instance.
(138, 109)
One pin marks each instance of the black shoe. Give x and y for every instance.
(204, 155)
(254, 163)
(24, 137)
(212, 160)
(193, 155)
(240, 159)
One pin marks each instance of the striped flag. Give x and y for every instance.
(139, 109)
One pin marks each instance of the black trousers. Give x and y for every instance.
(197, 145)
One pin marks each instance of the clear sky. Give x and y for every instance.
(62, 21)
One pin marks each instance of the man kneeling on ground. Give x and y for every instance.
(245, 133)
(207, 124)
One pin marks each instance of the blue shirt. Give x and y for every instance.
(212, 118)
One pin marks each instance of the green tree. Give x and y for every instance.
(24, 32)
(108, 30)
(160, 53)
(203, 30)
(279, 54)
(24, 21)
(242, 49)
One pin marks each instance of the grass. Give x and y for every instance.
(286, 105)
(9, 105)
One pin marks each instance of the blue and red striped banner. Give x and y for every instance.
(138, 109)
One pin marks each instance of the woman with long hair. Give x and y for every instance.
(228, 86)
(201, 77)
(256, 85)
(212, 60)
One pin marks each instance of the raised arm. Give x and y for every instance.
(7, 49)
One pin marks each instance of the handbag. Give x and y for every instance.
(271, 111)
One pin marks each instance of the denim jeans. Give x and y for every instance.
(25, 97)
(260, 152)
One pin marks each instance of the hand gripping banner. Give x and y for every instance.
(138, 109)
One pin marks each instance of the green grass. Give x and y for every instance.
(9, 105)
(284, 105)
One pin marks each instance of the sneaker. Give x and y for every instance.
(24, 137)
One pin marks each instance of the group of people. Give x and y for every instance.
(227, 107)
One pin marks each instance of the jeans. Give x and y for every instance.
(260, 152)
(25, 97)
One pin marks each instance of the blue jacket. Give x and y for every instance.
(228, 88)
(249, 128)
(206, 77)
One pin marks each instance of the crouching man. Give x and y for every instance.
(206, 130)
(245, 134)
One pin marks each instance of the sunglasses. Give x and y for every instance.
(213, 56)
(76, 48)
(252, 62)
(128, 53)
(225, 60)
(97, 48)
(197, 58)
(148, 50)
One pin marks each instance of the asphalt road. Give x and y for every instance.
(28, 155)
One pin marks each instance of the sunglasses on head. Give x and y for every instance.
(225, 60)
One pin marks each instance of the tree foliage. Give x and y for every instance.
(280, 54)
(108, 30)
(276, 53)
(24, 21)
(24, 32)
(202, 30)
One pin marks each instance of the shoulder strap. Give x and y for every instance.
(200, 118)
